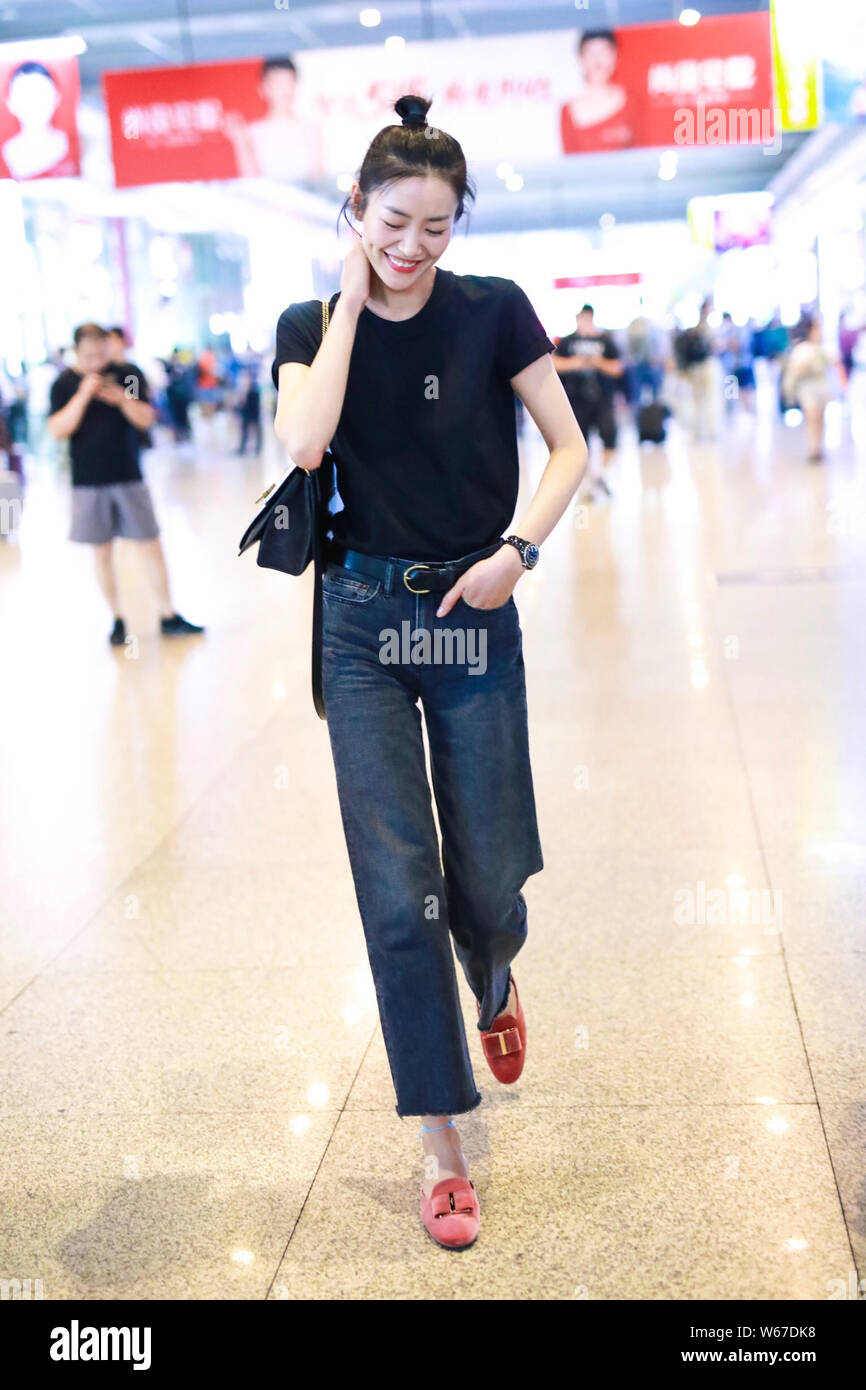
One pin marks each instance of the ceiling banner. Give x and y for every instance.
(526, 98)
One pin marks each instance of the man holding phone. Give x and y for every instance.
(102, 408)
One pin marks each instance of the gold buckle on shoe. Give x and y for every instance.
(406, 574)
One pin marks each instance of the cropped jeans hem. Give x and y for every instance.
(441, 1109)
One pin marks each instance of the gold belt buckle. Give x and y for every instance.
(406, 574)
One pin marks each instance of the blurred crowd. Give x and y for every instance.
(212, 380)
(645, 374)
(700, 373)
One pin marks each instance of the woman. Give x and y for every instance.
(40, 148)
(806, 382)
(413, 382)
(602, 114)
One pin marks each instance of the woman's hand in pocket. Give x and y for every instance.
(486, 584)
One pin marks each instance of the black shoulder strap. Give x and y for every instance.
(324, 478)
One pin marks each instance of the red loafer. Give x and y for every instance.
(505, 1044)
(452, 1214)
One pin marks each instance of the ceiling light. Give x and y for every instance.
(689, 16)
(606, 220)
(667, 171)
(370, 18)
(514, 183)
(395, 43)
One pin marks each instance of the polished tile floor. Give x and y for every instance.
(196, 1101)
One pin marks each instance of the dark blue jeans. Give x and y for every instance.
(384, 650)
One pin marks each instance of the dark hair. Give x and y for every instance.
(116, 331)
(89, 330)
(411, 149)
(586, 309)
(589, 34)
(277, 65)
(27, 70)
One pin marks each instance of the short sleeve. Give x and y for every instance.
(522, 338)
(610, 351)
(299, 334)
(62, 392)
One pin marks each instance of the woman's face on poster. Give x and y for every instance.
(33, 99)
(278, 87)
(598, 61)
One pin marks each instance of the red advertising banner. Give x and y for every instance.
(527, 97)
(210, 121)
(666, 84)
(38, 132)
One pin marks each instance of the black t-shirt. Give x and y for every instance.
(426, 446)
(106, 446)
(585, 387)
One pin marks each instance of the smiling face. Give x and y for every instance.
(406, 227)
(598, 62)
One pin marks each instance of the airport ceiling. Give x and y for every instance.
(153, 33)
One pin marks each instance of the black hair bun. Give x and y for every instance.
(413, 110)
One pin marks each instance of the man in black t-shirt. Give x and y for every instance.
(102, 408)
(588, 362)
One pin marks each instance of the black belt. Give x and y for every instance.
(436, 576)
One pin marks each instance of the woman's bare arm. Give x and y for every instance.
(310, 399)
(489, 583)
(543, 394)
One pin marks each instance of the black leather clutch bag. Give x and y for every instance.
(285, 526)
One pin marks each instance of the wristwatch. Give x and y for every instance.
(528, 551)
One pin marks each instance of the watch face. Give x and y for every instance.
(530, 556)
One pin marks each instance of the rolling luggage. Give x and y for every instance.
(652, 423)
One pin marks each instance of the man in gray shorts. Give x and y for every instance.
(101, 408)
